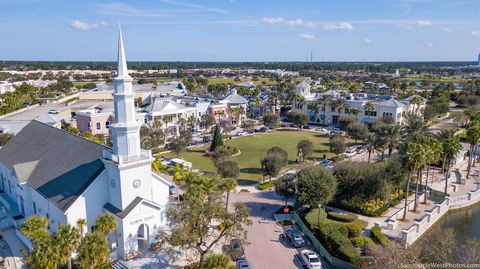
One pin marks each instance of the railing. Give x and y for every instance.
(144, 154)
(318, 247)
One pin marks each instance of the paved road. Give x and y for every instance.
(264, 250)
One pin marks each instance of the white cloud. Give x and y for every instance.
(428, 45)
(84, 26)
(307, 36)
(421, 23)
(446, 29)
(366, 41)
(195, 6)
(295, 22)
(476, 33)
(338, 26)
(311, 24)
(272, 20)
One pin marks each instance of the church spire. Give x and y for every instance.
(122, 70)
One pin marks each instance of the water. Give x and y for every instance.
(458, 229)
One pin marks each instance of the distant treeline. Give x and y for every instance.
(448, 67)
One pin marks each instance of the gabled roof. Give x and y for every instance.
(121, 214)
(392, 103)
(59, 165)
(247, 84)
(164, 106)
(413, 96)
(49, 119)
(303, 85)
(333, 93)
(234, 98)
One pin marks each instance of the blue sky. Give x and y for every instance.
(241, 30)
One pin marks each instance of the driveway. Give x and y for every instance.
(264, 250)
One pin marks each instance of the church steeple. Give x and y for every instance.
(122, 71)
(126, 130)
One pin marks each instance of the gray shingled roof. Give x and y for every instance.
(122, 214)
(57, 164)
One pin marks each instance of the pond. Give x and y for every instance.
(459, 229)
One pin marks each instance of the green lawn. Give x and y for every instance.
(253, 149)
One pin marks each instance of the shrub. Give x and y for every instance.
(355, 228)
(349, 253)
(377, 235)
(312, 218)
(335, 238)
(285, 222)
(338, 158)
(361, 242)
(343, 217)
(266, 185)
(370, 207)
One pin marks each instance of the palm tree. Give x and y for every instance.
(415, 129)
(315, 108)
(410, 161)
(192, 121)
(472, 137)
(370, 144)
(445, 135)
(380, 146)
(35, 228)
(68, 240)
(450, 149)
(228, 184)
(355, 111)
(433, 156)
(93, 251)
(368, 108)
(391, 135)
(340, 104)
(81, 223)
(420, 162)
(416, 101)
(325, 101)
(105, 224)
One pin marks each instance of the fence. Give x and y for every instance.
(318, 247)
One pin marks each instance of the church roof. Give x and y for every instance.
(303, 85)
(57, 164)
(164, 106)
(121, 214)
(234, 98)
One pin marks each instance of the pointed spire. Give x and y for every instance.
(122, 71)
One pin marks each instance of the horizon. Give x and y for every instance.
(242, 30)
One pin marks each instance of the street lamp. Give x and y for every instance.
(318, 215)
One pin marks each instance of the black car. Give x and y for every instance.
(263, 129)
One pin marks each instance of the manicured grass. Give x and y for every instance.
(253, 149)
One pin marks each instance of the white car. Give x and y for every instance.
(310, 259)
(350, 153)
(243, 264)
(53, 111)
(241, 133)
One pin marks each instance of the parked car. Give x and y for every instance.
(307, 127)
(310, 259)
(53, 111)
(237, 252)
(263, 129)
(295, 238)
(243, 264)
(322, 130)
(241, 134)
(350, 153)
(334, 129)
(326, 163)
(207, 139)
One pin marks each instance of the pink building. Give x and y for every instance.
(94, 121)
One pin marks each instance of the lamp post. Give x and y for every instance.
(318, 215)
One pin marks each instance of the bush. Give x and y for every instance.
(286, 223)
(312, 218)
(371, 207)
(355, 228)
(349, 253)
(343, 217)
(377, 235)
(267, 185)
(338, 158)
(335, 238)
(361, 242)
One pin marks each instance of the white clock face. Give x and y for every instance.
(112, 182)
(136, 183)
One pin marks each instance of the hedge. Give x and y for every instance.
(313, 219)
(377, 235)
(361, 242)
(355, 228)
(267, 185)
(335, 238)
(348, 217)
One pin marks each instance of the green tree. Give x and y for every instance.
(271, 165)
(316, 186)
(207, 121)
(217, 261)
(286, 186)
(370, 144)
(415, 129)
(228, 168)
(200, 221)
(4, 138)
(337, 144)
(35, 228)
(228, 184)
(434, 155)
(298, 117)
(304, 149)
(105, 224)
(270, 120)
(217, 139)
(93, 252)
(391, 134)
(68, 238)
(472, 136)
(450, 148)
(281, 153)
(357, 131)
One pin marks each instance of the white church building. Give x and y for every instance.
(50, 172)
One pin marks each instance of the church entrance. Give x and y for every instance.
(143, 237)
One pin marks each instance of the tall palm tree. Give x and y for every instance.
(472, 137)
(105, 224)
(391, 134)
(415, 128)
(35, 228)
(420, 162)
(450, 149)
(434, 155)
(68, 240)
(315, 108)
(369, 106)
(380, 146)
(228, 184)
(410, 163)
(81, 223)
(370, 144)
(416, 101)
(324, 102)
(442, 136)
(93, 251)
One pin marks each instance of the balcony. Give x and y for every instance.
(144, 155)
